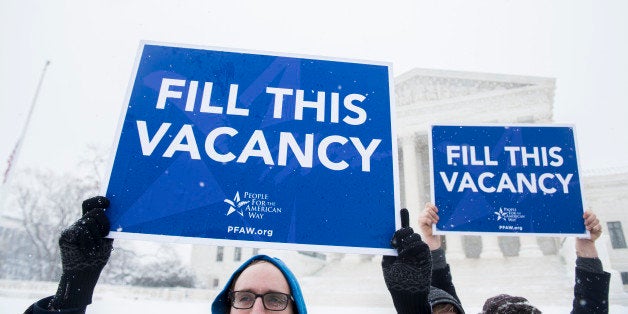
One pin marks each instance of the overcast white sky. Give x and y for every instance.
(92, 46)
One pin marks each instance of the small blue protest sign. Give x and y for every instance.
(510, 179)
(266, 150)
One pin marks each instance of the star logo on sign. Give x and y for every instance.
(235, 205)
(500, 214)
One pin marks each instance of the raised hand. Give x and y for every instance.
(586, 247)
(84, 253)
(427, 218)
(408, 275)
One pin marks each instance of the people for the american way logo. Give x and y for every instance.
(509, 214)
(500, 214)
(236, 205)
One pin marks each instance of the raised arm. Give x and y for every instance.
(84, 253)
(441, 274)
(592, 282)
(408, 274)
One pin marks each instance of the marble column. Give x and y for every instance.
(411, 177)
(454, 246)
(490, 247)
(529, 247)
(422, 171)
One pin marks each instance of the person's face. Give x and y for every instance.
(262, 278)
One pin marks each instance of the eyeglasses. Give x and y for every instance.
(444, 308)
(273, 301)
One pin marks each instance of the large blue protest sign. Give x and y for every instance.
(229, 147)
(506, 179)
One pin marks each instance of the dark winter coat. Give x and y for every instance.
(591, 291)
(40, 307)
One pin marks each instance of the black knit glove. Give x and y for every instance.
(408, 275)
(84, 253)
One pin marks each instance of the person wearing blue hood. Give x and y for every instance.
(267, 278)
(262, 284)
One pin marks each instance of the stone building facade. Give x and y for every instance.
(424, 97)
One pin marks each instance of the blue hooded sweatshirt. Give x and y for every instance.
(221, 304)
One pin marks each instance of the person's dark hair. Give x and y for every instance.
(507, 304)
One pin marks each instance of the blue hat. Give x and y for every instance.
(221, 304)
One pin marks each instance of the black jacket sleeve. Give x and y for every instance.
(591, 291)
(441, 274)
(441, 278)
(41, 307)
